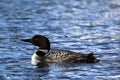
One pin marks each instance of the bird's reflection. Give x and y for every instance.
(61, 66)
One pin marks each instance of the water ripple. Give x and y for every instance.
(80, 26)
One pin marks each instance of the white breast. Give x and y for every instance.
(35, 59)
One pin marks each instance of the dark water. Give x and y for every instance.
(76, 25)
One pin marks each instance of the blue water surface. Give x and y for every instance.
(75, 25)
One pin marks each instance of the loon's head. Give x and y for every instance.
(38, 40)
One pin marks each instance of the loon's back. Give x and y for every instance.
(69, 57)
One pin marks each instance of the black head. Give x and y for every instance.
(38, 40)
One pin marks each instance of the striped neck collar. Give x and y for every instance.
(45, 52)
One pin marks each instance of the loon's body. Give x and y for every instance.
(44, 55)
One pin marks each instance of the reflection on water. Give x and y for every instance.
(81, 26)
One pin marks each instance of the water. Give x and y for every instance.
(76, 25)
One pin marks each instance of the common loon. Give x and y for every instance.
(43, 55)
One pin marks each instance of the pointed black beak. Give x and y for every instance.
(26, 40)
